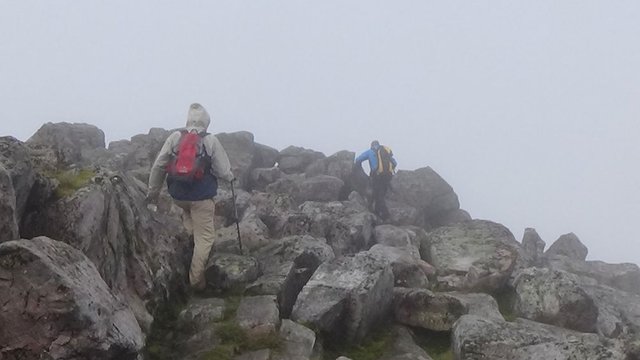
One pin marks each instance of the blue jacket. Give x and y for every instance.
(372, 156)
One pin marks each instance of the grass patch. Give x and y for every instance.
(372, 348)
(436, 343)
(506, 303)
(71, 181)
(160, 342)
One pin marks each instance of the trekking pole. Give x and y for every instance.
(235, 215)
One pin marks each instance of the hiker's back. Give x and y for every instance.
(189, 172)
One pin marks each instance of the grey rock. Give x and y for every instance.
(138, 153)
(264, 156)
(400, 215)
(260, 178)
(272, 209)
(298, 341)
(394, 236)
(475, 255)
(16, 159)
(320, 188)
(258, 315)
(231, 271)
(533, 245)
(240, 149)
(426, 191)
(618, 311)
(8, 218)
(556, 298)
(345, 225)
(568, 245)
(478, 338)
(141, 255)
(346, 296)
(72, 143)
(288, 185)
(296, 159)
(200, 314)
(316, 168)
(408, 270)
(57, 303)
(624, 276)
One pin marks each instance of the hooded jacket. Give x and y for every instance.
(197, 120)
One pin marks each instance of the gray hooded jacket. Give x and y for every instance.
(198, 119)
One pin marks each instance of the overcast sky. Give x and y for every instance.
(529, 109)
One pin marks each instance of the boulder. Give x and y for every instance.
(439, 311)
(346, 226)
(298, 341)
(230, 271)
(320, 188)
(568, 245)
(264, 354)
(394, 236)
(240, 149)
(287, 265)
(533, 246)
(346, 297)
(260, 178)
(57, 303)
(618, 311)
(253, 234)
(556, 298)
(200, 314)
(408, 271)
(426, 191)
(72, 143)
(288, 185)
(272, 209)
(8, 219)
(137, 154)
(264, 156)
(258, 315)
(475, 255)
(141, 255)
(624, 276)
(295, 159)
(476, 338)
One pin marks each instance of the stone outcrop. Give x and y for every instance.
(71, 143)
(58, 306)
(568, 245)
(8, 218)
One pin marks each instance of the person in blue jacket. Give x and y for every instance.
(382, 167)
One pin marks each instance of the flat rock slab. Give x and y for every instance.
(298, 341)
(230, 271)
(200, 314)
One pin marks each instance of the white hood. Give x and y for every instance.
(198, 119)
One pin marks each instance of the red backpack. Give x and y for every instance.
(190, 162)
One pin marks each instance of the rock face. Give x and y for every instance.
(140, 255)
(475, 255)
(346, 296)
(58, 305)
(71, 143)
(477, 338)
(16, 159)
(533, 245)
(8, 219)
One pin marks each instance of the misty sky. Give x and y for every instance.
(529, 109)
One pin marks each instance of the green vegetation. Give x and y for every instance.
(436, 343)
(372, 347)
(71, 180)
(160, 344)
(506, 299)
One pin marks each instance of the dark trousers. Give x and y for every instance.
(380, 183)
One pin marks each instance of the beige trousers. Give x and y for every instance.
(197, 218)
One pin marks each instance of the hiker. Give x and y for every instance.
(192, 161)
(383, 166)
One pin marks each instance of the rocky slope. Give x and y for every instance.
(88, 272)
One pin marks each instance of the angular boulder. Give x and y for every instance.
(240, 149)
(404, 347)
(568, 245)
(72, 143)
(16, 159)
(258, 315)
(476, 255)
(298, 341)
(230, 271)
(346, 297)
(477, 338)
(57, 304)
(555, 298)
(408, 270)
(625, 277)
(320, 188)
(533, 246)
(295, 159)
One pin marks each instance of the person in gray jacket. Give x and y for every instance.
(194, 194)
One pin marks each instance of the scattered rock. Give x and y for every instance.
(404, 347)
(320, 188)
(200, 314)
(296, 159)
(231, 271)
(533, 246)
(298, 341)
(258, 315)
(72, 143)
(568, 245)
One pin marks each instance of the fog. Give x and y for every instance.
(530, 110)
